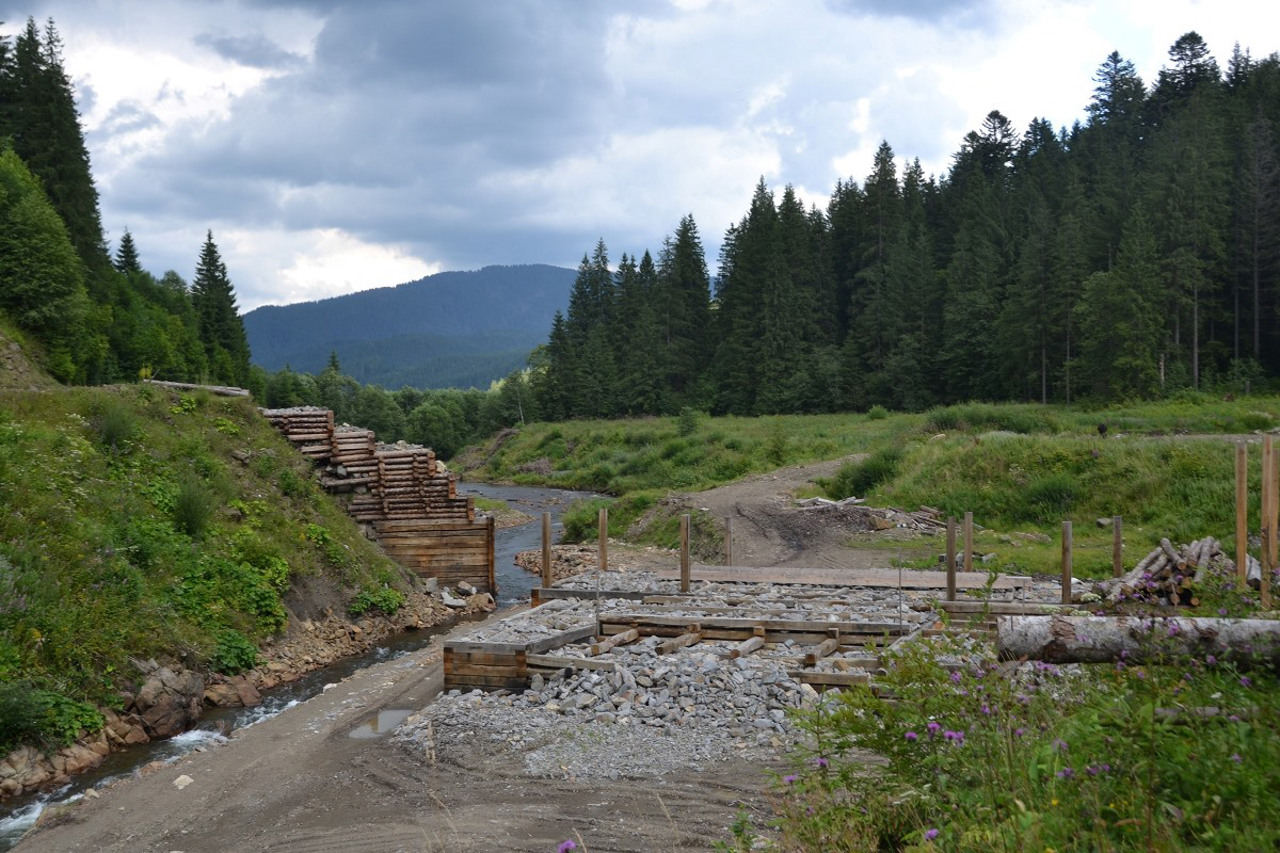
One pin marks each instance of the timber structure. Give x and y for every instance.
(405, 500)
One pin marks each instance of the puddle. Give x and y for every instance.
(381, 724)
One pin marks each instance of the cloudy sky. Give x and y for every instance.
(335, 146)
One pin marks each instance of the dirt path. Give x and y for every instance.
(769, 530)
(298, 782)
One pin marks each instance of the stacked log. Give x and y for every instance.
(309, 428)
(408, 500)
(1173, 575)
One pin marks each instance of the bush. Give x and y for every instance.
(687, 421)
(877, 413)
(192, 507)
(856, 479)
(582, 519)
(384, 599)
(42, 717)
(233, 653)
(115, 425)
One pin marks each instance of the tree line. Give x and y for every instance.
(1134, 254)
(93, 316)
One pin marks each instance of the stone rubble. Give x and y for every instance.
(656, 714)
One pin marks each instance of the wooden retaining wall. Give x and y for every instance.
(495, 666)
(407, 501)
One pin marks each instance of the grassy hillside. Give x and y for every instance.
(1166, 467)
(139, 522)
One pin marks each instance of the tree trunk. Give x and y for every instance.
(1135, 639)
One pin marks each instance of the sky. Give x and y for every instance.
(335, 146)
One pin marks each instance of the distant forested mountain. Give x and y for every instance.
(453, 329)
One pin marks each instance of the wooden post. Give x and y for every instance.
(968, 541)
(1269, 517)
(604, 538)
(1066, 562)
(728, 541)
(547, 579)
(1242, 514)
(1117, 545)
(684, 553)
(951, 558)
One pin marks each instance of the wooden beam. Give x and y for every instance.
(689, 638)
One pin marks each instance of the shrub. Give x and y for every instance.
(687, 421)
(233, 653)
(877, 413)
(855, 479)
(42, 717)
(775, 445)
(581, 519)
(192, 507)
(115, 425)
(384, 599)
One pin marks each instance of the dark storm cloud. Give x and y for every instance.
(390, 127)
(254, 51)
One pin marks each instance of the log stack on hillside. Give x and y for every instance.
(407, 501)
(309, 428)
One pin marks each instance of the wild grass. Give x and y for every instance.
(1166, 467)
(1109, 758)
(140, 523)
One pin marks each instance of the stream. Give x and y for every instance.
(20, 813)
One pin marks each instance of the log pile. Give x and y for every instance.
(1173, 575)
(309, 428)
(408, 500)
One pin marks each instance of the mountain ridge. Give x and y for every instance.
(452, 329)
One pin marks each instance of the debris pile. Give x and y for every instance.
(1172, 575)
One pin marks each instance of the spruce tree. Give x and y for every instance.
(221, 329)
(126, 260)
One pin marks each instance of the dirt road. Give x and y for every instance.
(299, 782)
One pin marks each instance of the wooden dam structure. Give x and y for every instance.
(406, 501)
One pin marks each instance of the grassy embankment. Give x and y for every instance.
(139, 523)
(1164, 467)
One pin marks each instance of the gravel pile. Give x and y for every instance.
(652, 715)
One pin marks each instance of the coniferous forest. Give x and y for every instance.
(95, 317)
(1132, 255)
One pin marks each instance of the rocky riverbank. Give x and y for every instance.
(167, 699)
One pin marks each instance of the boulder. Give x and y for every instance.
(169, 702)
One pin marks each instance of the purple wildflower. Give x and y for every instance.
(1066, 773)
(930, 834)
(1211, 660)
(955, 677)
(1019, 731)
(1235, 756)
(911, 736)
(955, 737)
(820, 762)
(1244, 681)
(934, 727)
(1060, 745)
(790, 778)
(566, 846)
(986, 709)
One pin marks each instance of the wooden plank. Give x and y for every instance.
(830, 679)
(482, 671)
(820, 626)
(565, 661)
(483, 682)
(548, 593)
(1007, 607)
(746, 647)
(564, 638)
(472, 647)
(877, 578)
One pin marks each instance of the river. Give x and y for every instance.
(20, 813)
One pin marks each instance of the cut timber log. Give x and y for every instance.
(824, 648)
(1102, 639)
(746, 647)
(616, 640)
(689, 638)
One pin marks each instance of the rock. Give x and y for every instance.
(451, 600)
(182, 781)
(169, 702)
(1104, 522)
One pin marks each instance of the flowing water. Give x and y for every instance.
(20, 813)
